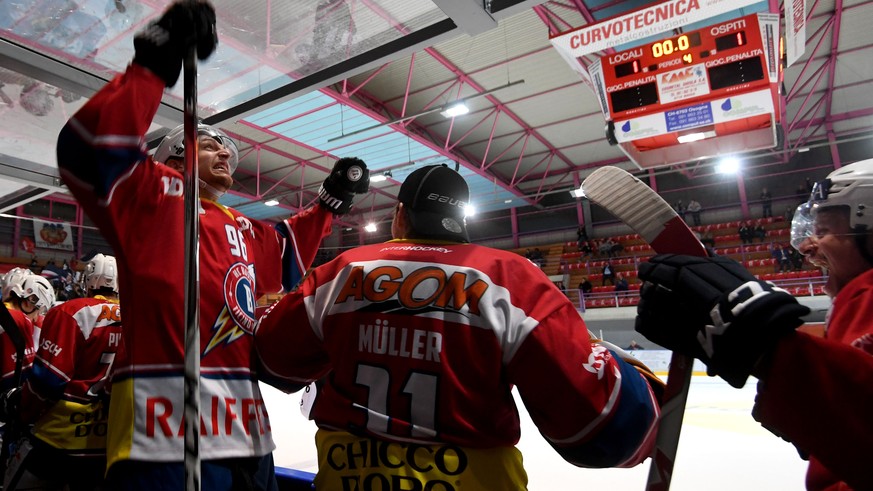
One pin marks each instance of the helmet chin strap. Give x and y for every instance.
(214, 194)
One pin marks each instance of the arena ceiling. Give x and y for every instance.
(300, 84)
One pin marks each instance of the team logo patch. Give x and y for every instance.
(452, 225)
(239, 296)
(354, 173)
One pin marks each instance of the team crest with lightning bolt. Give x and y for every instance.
(238, 315)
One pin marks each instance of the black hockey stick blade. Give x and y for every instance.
(642, 209)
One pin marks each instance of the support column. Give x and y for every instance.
(744, 202)
(513, 218)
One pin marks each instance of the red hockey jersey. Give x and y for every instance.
(139, 207)
(420, 343)
(818, 393)
(7, 349)
(64, 395)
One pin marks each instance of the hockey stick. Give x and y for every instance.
(640, 208)
(192, 274)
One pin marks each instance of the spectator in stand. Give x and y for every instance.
(606, 246)
(680, 209)
(803, 189)
(759, 233)
(782, 257)
(621, 284)
(581, 236)
(796, 258)
(746, 232)
(585, 248)
(766, 203)
(789, 214)
(694, 208)
(537, 257)
(608, 273)
(585, 287)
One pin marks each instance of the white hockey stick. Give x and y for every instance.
(639, 207)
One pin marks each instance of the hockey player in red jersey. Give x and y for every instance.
(65, 397)
(138, 207)
(29, 297)
(417, 344)
(815, 392)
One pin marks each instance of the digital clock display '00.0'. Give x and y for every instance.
(675, 44)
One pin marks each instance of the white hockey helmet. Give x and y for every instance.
(850, 186)
(12, 281)
(173, 145)
(36, 286)
(101, 272)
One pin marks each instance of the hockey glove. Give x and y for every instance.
(9, 403)
(714, 310)
(348, 177)
(162, 45)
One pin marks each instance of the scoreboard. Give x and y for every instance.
(710, 83)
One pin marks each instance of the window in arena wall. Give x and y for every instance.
(51, 209)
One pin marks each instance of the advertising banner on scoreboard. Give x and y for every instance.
(685, 83)
(640, 24)
(720, 110)
(53, 235)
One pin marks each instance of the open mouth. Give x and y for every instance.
(221, 167)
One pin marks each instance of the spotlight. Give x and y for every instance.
(371, 227)
(271, 202)
(728, 165)
(456, 109)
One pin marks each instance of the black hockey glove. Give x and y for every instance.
(714, 310)
(9, 403)
(162, 45)
(348, 177)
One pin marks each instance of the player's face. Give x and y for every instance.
(834, 247)
(213, 162)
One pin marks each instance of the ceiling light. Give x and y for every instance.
(507, 201)
(456, 109)
(371, 227)
(271, 202)
(693, 137)
(578, 193)
(427, 111)
(383, 176)
(469, 211)
(728, 165)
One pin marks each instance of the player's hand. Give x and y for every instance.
(714, 310)
(9, 403)
(348, 177)
(161, 46)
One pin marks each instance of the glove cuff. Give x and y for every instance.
(750, 329)
(336, 201)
